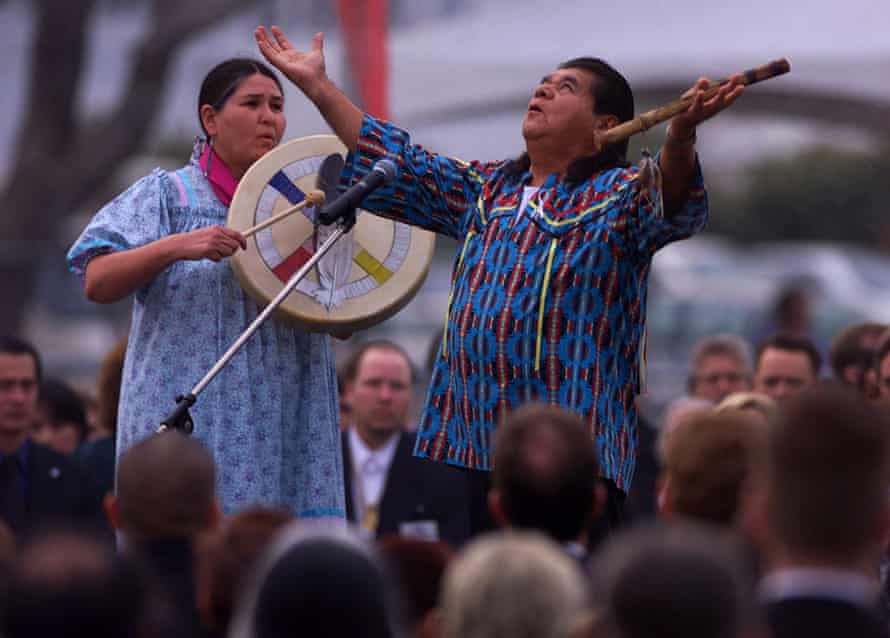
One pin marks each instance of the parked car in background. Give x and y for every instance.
(707, 285)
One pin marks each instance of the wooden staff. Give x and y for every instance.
(647, 120)
(313, 198)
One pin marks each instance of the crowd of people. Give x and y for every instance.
(769, 516)
(526, 499)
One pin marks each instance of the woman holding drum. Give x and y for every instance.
(270, 417)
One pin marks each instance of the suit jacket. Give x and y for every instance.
(98, 458)
(59, 494)
(821, 617)
(416, 490)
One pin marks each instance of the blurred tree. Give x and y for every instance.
(60, 158)
(820, 194)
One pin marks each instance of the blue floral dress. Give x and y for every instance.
(270, 417)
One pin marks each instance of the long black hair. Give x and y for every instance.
(611, 96)
(225, 78)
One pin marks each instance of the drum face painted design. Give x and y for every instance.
(366, 277)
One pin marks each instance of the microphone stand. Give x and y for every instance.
(179, 418)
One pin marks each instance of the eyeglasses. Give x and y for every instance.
(715, 377)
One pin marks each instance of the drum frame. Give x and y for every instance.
(411, 246)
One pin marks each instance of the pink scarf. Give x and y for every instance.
(219, 175)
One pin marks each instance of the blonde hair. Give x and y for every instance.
(679, 411)
(749, 402)
(708, 461)
(512, 584)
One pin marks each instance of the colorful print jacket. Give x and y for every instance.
(547, 304)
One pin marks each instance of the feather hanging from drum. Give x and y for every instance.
(367, 276)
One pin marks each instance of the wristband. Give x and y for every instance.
(679, 142)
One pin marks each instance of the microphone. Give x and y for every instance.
(329, 176)
(381, 174)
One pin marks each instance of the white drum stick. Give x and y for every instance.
(313, 198)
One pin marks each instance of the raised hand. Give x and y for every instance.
(212, 242)
(683, 124)
(306, 69)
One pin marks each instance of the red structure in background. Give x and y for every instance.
(364, 25)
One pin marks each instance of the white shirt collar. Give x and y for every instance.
(362, 454)
(527, 193)
(818, 582)
(370, 469)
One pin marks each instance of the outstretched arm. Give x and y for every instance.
(307, 71)
(435, 192)
(678, 153)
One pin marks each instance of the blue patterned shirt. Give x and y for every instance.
(547, 306)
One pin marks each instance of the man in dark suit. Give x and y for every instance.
(822, 515)
(39, 488)
(388, 490)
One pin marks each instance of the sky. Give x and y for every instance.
(497, 49)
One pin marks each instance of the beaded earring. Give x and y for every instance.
(209, 142)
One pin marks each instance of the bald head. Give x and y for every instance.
(165, 488)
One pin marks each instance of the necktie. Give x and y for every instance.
(370, 519)
(12, 494)
(371, 515)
